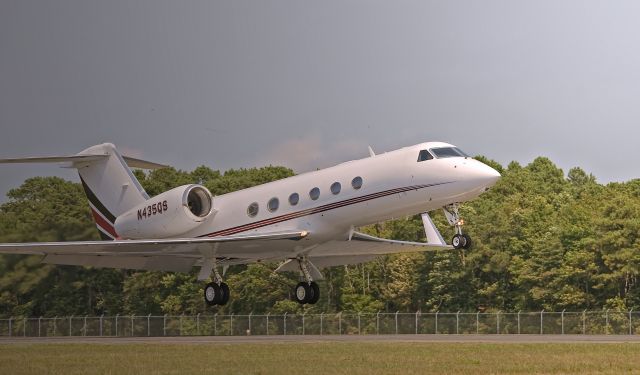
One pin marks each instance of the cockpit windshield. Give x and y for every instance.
(448, 152)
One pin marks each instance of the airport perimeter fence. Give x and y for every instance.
(541, 322)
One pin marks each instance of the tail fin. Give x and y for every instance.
(109, 184)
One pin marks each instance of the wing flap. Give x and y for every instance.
(150, 263)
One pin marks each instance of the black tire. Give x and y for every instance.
(458, 241)
(301, 293)
(211, 294)
(467, 241)
(315, 289)
(224, 294)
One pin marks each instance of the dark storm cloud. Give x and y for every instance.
(248, 83)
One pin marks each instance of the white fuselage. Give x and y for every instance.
(394, 184)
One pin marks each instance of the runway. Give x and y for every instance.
(226, 340)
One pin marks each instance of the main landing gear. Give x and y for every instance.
(216, 292)
(306, 291)
(460, 240)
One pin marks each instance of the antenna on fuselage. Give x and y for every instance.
(371, 153)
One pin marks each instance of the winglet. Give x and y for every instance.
(430, 230)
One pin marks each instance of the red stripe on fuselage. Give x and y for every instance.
(104, 224)
(315, 210)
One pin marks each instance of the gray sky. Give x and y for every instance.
(306, 84)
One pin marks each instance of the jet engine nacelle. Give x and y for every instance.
(169, 214)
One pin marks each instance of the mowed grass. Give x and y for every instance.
(320, 358)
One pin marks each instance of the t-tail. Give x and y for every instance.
(108, 182)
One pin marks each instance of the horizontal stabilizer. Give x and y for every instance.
(55, 159)
(77, 159)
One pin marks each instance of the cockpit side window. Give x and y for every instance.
(448, 152)
(424, 155)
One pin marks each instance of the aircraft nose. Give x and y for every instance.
(488, 174)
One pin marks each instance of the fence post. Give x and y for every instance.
(131, 325)
(478, 323)
(519, 321)
(397, 322)
(164, 325)
(268, 323)
(198, 324)
(117, 324)
(359, 323)
(340, 323)
(11, 328)
(498, 322)
(562, 320)
(231, 325)
(321, 318)
(101, 317)
(55, 319)
(303, 314)
(71, 317)
(85, 326)
(181, 315)
(251, 313)
(458, 322)
(437, 322)
(541, 312)
(215, 324)
(149, 325)
(378, 323)
(606, 317)
(584, 322)
(417, 321)
(40, 320)
(284, 319)
(630, 331)
(24, 327)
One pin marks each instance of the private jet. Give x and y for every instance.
(306, 222)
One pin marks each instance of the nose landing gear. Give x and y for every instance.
(460, 240)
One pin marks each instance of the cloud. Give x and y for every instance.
(311, 153)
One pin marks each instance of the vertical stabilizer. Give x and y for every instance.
(111, 187)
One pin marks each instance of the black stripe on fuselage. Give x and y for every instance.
(316, 210)
(97, 204)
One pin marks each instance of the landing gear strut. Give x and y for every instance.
(460, 240)
(306, 291)
(216, 292)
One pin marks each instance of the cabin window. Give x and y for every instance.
(335, 188)
(273, 204)
(356, 183)
(314, 193)
(253, 209)
(294, 199)
(424, 155)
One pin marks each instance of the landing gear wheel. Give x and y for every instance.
(316, 293)
(212, 294)
(303, 293)
(224, 294)
(459, 241)
(467, 241)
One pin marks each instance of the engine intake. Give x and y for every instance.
(169, 214)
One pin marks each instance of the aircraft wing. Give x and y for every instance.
(178, 255)
(359, 249)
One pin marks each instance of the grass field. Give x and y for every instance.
(320, 358)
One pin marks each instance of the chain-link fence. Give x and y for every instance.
(541, 322)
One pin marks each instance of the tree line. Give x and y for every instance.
(541, 240)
